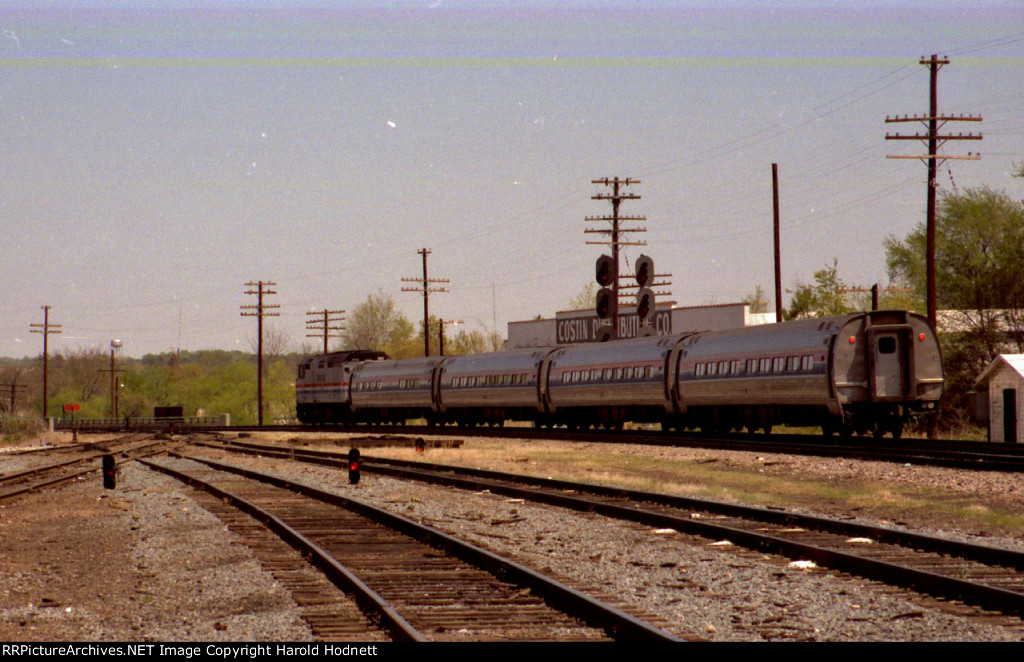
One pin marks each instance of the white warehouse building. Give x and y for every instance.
(582, 326)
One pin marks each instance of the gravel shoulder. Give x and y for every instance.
(142, 562)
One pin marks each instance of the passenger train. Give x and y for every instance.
(868, 372)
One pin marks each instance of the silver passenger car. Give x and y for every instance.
(859, 372)
(393, 391)
(491, 388)
(610, 383)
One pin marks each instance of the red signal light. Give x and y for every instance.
(353, 466)
(604, 302)
(605, 270)
(109, 472)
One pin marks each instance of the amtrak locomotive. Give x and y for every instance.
(868, 372)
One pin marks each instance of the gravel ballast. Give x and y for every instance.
(146, 562)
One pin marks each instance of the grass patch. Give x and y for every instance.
(747, 480)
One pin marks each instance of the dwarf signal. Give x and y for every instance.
(353, 466)
(109, 472)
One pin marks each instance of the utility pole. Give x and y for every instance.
(259, 311)
(440, 338)
(933, 122)
(46, 329)
(317, 323)
(426, 289)
(114, 345)
(778, 243)
(614, 230)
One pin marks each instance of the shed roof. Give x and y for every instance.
(1014, 361)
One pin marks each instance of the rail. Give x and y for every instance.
(143, 422)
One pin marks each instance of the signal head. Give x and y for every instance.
(644, 271)
(604, 302)
(605, 271)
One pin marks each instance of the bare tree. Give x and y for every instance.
(276, 341)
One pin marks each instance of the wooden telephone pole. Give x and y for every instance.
(614, 232)
(426, 289)
(259, 311)
(46, 329)
(322, 321)
(933, 122)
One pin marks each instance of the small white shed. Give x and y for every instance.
(1004, 381)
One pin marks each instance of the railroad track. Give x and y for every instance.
(988, 577)
(75, 461)
(419, 583)
(982, 456)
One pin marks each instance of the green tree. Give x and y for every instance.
(376, 324)
(827, 296)
(585, 299)
(979, 259)
(757, 301)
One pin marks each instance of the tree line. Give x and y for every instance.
(214, 382)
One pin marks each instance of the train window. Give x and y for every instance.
(617, 374)
(712, 369)
(779, 364)
(793, 363)
(886, 345)
(751, 365)
(807, 363)
(723, 367)
(606, 374)
(737, 367)
(766, 365)
(698, 370)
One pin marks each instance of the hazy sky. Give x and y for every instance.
(153, 161)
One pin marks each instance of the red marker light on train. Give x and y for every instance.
(853, 339)
(921, 337)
